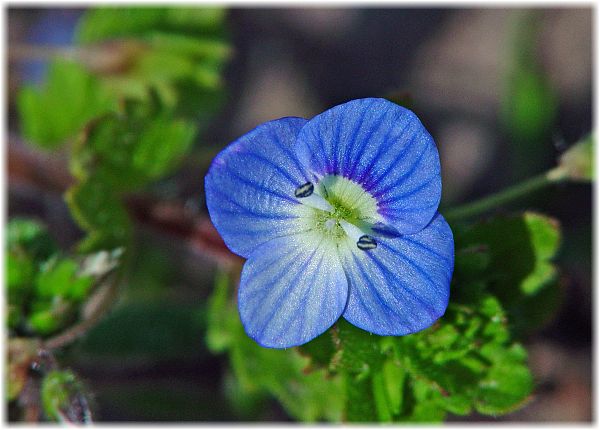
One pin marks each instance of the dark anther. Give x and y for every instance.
(366, 242)
(304, 190)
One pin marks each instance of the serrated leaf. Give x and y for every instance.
(70, 98)
(508, 383)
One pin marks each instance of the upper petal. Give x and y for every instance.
(250, 186)
(292, 289)
(384, 148)
(402, 286)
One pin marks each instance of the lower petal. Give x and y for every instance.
(401, 286)
(292, 289)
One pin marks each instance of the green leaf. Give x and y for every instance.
(282, 374)
(195, 19)
(64, 398)
(394, 377)
(220, 333)
(360, 401)
(126, 152)
(45, 322)
(61, 278)
(448, 364)
(470, 263)
(30, 237)
(359, 351)
(425, 402)
(176, 54)
(520, 273)
(508, 383)
(215, 50)
(70, 98)
(100, 212)
(320, 350)
(107, 23)
(19, 276)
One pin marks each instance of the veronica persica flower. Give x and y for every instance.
(337, 216)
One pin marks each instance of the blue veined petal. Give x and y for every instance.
(250, 186)
(291, 290)
(384, 148)
(402, 286)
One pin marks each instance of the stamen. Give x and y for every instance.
(304, 190)
(317, 202)
(366, 242)
(351, 230)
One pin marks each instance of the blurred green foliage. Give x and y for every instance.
(529, 104)
(45, 287)
(70, 98)
(142, 82)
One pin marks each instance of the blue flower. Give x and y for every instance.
(337, 216)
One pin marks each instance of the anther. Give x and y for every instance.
(366, 242)
(304, 190)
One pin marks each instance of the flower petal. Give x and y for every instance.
(384, 148)
(402, 286)
(250, 186)
(292, 289)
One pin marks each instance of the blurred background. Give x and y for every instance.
(503, 92)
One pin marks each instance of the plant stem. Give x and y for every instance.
(505, 196)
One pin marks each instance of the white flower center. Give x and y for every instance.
(340, 208)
